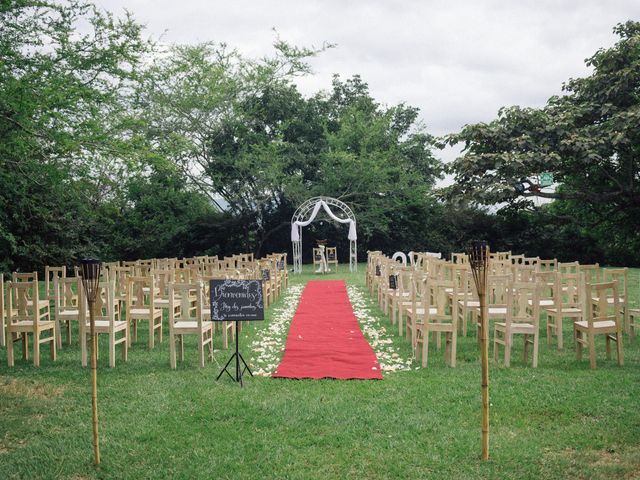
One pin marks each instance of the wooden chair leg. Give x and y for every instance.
(181, 337)
(425, 348)
(559, 331)
(125, 348)
(507, 349)
(83, 348)
(620, 348)
(225, 340)
(626, 321)
(525, 350)
(54, 351)
(25, 346)
(463, 320)
(57, 332)
(172, 351)
(536, 346)
(454, 347)
(607, 343)
(151, 334)
(592, 350)
(447, 349)
(10, 357)
(201, 350)
(578, 341)
(112, 350)
(36, 350)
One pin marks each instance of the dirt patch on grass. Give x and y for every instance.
(28, 389)
(613, 462)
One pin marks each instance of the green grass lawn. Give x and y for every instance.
(561, 420)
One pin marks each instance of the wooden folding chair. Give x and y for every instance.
(332, 257)
(67, 292)
(106, 323)
(523, 316)
(28, 316)
(189, 321)
(438, 316)
(603, 318)
(141, 295)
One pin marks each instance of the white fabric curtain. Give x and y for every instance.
(295, 226)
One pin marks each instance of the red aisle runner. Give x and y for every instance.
(325, 339)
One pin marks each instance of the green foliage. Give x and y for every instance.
(62, 106)
(244, 136)
(589, 138)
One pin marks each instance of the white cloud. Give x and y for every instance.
(458, 61)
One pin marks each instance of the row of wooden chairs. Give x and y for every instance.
(129, 293)
(439, 297)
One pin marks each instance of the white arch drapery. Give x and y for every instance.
(298, 222)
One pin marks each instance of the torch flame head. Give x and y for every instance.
(90, 277)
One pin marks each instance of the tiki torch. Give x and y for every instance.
(478, 259)
(90, 281)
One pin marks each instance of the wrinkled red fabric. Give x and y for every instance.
(325, 340)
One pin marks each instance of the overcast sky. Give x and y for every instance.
(458, 61)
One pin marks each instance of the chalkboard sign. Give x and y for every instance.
(266, 275)
(332, 256)
(378, 273)
(393, 282)
(236, 300)
(318, 257)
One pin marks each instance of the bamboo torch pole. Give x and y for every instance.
(479, 258)
(90, 280)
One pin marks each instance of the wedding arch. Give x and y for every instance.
(307, 212)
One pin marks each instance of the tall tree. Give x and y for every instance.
(65, 68)
(588, 138)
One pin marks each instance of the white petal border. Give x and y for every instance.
(379, 339)
(268, 347)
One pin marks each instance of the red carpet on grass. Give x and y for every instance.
(325, 340)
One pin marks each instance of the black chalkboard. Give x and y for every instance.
(236, 300)
(266, 275)
(332, 256)
(318, 257)
(378, 273)
(393, 282)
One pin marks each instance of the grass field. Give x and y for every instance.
(561, 420)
